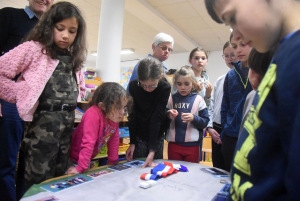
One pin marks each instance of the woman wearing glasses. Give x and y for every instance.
(162, 47)
(148, 120)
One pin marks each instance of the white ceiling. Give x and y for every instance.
(186, 20)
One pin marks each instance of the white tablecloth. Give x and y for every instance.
(124, 186)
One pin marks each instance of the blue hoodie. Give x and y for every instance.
(236, 89)
(187, 134)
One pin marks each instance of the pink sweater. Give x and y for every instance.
(94, 131)
(81, 85)
(36, 69)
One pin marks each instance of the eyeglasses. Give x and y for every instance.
(226, 56)
(164, 48)
(145, 86)
(120, 108)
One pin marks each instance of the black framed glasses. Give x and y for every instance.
(164, 48)
(145, 86)
(227, 56)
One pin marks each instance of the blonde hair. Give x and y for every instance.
(187, 71)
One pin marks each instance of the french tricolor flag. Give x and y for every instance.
(147, 177)
(178, 167)
(163, 170)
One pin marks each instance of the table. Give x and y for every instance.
(124, 185)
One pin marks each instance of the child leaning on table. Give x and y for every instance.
(189, 116)
(99, 125)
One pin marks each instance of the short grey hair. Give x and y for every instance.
(163, 38)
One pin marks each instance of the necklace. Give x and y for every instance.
(244, 84)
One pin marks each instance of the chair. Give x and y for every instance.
(206, 149)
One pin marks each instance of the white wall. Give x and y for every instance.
(175, 61)
(129, 63)
(216, 65)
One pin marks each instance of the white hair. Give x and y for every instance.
(162, 38)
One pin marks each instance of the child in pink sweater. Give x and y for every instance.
(99, 125)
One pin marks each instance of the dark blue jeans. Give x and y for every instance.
(11, 132)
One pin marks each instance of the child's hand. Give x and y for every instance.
(172, 113)
(72, 170)
(209, 89)
(187, 117)
(215, 135)
(200, 84)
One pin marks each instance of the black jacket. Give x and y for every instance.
(148, 119)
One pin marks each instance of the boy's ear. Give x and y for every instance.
(101, 106)
(153, 46)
